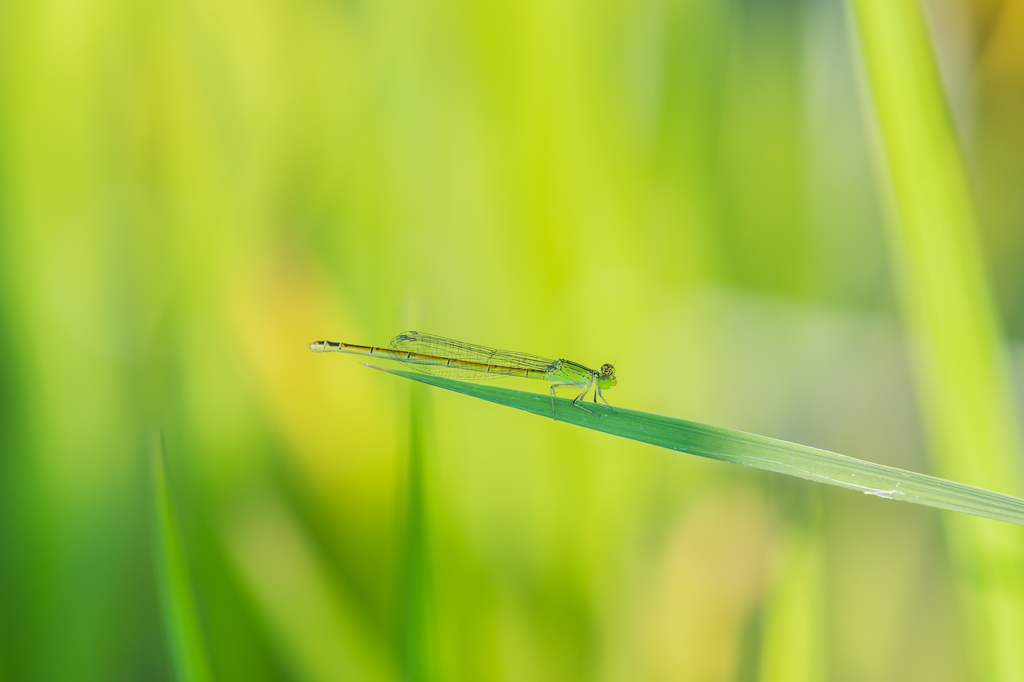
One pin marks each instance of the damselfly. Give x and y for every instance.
(456, 360)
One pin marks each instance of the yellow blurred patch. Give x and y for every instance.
(335, 417)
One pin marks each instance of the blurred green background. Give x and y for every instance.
(695, 190)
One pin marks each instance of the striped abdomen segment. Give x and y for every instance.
(433, 364)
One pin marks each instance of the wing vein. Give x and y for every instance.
(459, 360)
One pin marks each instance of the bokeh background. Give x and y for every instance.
(695, 190)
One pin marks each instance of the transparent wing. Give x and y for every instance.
(503, 363)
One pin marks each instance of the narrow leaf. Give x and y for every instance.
(181, 619)
(761, 452)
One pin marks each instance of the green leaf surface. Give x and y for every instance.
(748, 449)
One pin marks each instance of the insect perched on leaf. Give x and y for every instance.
(457, 360)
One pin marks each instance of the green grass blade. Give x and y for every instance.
(761, 452)
(181, 620)
(415, 589)
(951, 318)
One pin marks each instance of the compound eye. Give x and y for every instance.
(607, 370)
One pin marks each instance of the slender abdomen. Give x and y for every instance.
(422, 359)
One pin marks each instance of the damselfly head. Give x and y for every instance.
(606, 377)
